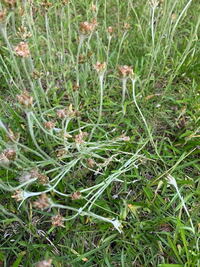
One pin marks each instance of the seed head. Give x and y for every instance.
(61, 113)
(42, 202)
(126, 26)
(10, 2)
(36, 74)
(91, 163)
(10, 154)
(125, 71)
(100, 67)
(75, 87)
(22, 50)
(57, 221)
(65, 2)
(3, 15)
(46, 5)
(25, 99)
(49, 125)
(88, 27)
(79, 138)
(4, 161)
(23, 33)
(76, 195)
(154, 3)
(18, 195)
(28, 175)
(44, 263)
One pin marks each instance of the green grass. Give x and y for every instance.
(136, 173)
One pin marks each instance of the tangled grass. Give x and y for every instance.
(99, 133)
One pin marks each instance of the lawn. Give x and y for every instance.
(99, 133)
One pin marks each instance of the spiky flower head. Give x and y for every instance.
(22, 50)
(25, 99)
(125, 71)
(88, 27)
(3, 15)
(42, 202)
(57, 220)
(100, 67)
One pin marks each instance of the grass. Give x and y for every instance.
(97, 168)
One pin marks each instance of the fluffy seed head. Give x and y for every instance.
(25, 99)
(61, 113)
(22, 50)
(88, 27)
(10, 154)
(2, 15)
(49, 125)
(126, 26)
(42, 202)
(10, 2)
(100, 67)
(76, 195)
(57, 221)
(18, 195)
(4, 161)
(79, 138)
(125, 71)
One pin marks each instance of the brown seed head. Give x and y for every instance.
(75, 87)
(10, 2)
(3, 15)
(49, 125)
(126, 26)
(23, 33)
(25, 99)
(91, 163)
(42, 178)
(76, 195)
(79, 138)
(36, 74)
(18, 195)
(46, 5)
(100, 67)
(4, 161)
(22, 50)
(57, 221)
(34, 173)
(125, 71)
(61, 152)
(10, 154)
(65, 2)
(61, 113)
(87, 27)
(42, 202)
(44, 263)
